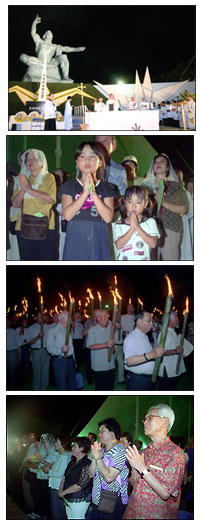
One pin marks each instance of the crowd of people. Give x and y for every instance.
(93, 358)
(175, 113)
(109, 478)
(106, 213)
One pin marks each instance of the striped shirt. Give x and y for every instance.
(114, 458)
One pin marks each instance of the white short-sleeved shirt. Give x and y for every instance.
(136, 248)
(99, 358)
(169, 362)
(135, 344)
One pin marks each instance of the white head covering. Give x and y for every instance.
(25, 171)
(149, 180)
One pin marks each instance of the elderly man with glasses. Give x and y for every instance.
(157, 473)
(139, 355)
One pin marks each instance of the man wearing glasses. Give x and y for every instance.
(157, 473)
(139, 355)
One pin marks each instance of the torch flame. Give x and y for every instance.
(99, 295)
(186, 306)
(90, 294)
(140, 302)
(115, 279)
(130, 301)
(117, 294)
(39, 284)
(114, 296)
(170, 291)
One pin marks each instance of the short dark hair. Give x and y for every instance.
(138, 444)
(142, 193)
(112, 425)
(165, 157)
(96, 148)
(93, 435)
(140, 315)
(83, 442)
(127, 435)
(65, 441)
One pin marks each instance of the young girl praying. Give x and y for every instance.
(136, 232)
(88, 207)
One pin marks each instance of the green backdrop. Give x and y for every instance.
(129, 410)
(60, 149)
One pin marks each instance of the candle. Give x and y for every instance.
(167, 311)
(71, 307)
(41, 320)
(185, 319)
(91, 306)
(100, 300)
(110, 350)
(63, 300)
(119, 312)
(140, 304)
(41, 308)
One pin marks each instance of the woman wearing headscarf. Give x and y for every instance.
(163, 182)
(40, 489)
(35, 195)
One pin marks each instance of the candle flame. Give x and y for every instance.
(117, 294)
(90, 294)
(170, 291)
(114, 296)
(39, 284)
(186, 310)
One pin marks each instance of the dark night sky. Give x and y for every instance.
(118, 39)
(50, 414)
(143, 281)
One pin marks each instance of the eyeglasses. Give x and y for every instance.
(149, 320)
(149, 418)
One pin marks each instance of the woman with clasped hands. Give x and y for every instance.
(109, 471)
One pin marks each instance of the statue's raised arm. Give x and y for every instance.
(36, 38)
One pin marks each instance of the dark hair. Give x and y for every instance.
(167, 159)
(112, 425)
(93, 435)
(83, 442)
(96, 148)
(127, 435)
(140, 315)
(69, 98)
(142, 193)
(65, 440)
(138, 444)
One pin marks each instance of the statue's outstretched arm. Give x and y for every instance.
(36, 38)
(67, 49)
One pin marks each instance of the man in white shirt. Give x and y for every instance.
(132, 105)
(167, 376)
(62, 355)
(13, 354)
(139, 355)
(112, 104)
(144, 104)
(36, 338)
(128, 320)
(99, 106)
(99, 341)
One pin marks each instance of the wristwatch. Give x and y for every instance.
(144, 472)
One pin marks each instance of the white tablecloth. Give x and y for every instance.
(123, 120)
